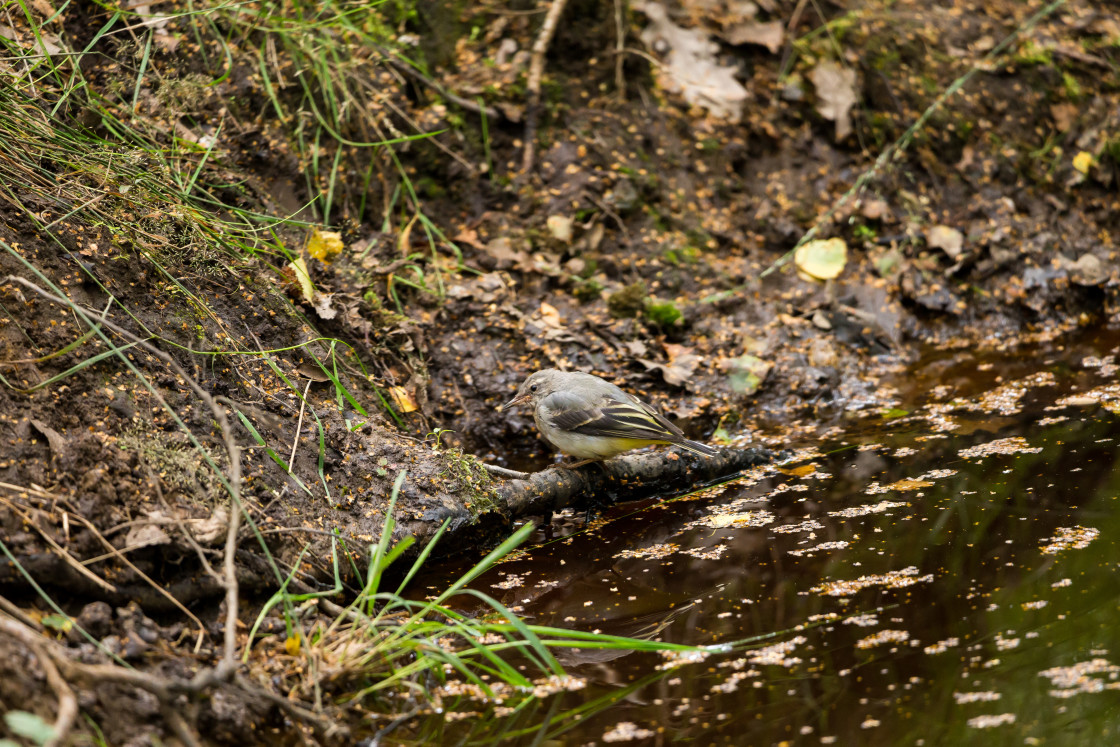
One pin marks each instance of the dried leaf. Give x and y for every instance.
(690, 67)
(550, 315)
(769, 35)
(947, 239)
(146, 535)
(560, 227)
(404, 401)
(682, 363)
(212, 529)
(836, 95)
(299, 268)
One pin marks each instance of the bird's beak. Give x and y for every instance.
(519, 399)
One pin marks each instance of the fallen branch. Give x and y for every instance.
(624, 478)
(536, 72)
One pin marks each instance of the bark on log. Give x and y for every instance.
(625, 478)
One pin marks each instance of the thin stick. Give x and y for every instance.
(495, 469)
(299, 424)
(67, 703)
(536, 72)
(619, 48)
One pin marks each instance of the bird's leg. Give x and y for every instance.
(580, 463)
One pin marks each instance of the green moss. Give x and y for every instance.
(629, 301)
(663, 314)
(586, 289)
(470, 481)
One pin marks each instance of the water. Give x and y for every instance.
(943, 575)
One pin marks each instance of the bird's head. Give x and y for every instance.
(538, 385)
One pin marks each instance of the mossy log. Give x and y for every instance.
(624, 478)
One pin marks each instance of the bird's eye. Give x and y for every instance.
(533, 388)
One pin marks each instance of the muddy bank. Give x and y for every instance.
(633, 249)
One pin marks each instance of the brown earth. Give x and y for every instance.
(673, 215)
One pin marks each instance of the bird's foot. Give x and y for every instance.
(574, 465)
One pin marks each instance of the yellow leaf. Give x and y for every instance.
(1082, 161)
(802, 471)
(821, 259)
(324, 245)
(291, 644)
(404, 241)
(403, 400)
(299, 267)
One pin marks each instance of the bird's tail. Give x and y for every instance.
(697, 448)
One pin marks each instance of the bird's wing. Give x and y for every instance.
(609, 417)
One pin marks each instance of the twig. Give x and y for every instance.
(536, 71)
(67, 703)
(495, 469)
(178, 725)
(17, 613)
(299, 425)
(62, 552)
(114, 552)
(323, 726)
(619, 48)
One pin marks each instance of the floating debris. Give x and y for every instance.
(990, 721)
(1069, 538)
(626, 731)
(656, 552)
(892, 580)
(1078, 678)
(809, 525)
(734, 520)
(883, 636)
(1013, 445)
(876, 508)
(822, 547)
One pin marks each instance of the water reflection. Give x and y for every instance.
(943, 576)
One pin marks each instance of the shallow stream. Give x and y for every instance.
(941, 573)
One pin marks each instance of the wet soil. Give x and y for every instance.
(673, 216)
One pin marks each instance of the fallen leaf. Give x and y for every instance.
(323, 306)
(404, 401)
(821, 259)
(769, 35)
(836, 95)
(1087, 270)
(550, 315)
(689, 66)
(560, 227)
(947, 239)
(746, 373)
(299, 267)
(324, 245)
(1083, 161)
(58, 442)
(800, 471)
(682, 363)
(146, 535)
(213, 528)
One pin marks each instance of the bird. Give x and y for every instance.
(583, 416)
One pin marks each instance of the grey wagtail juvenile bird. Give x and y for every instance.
(591, 419)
